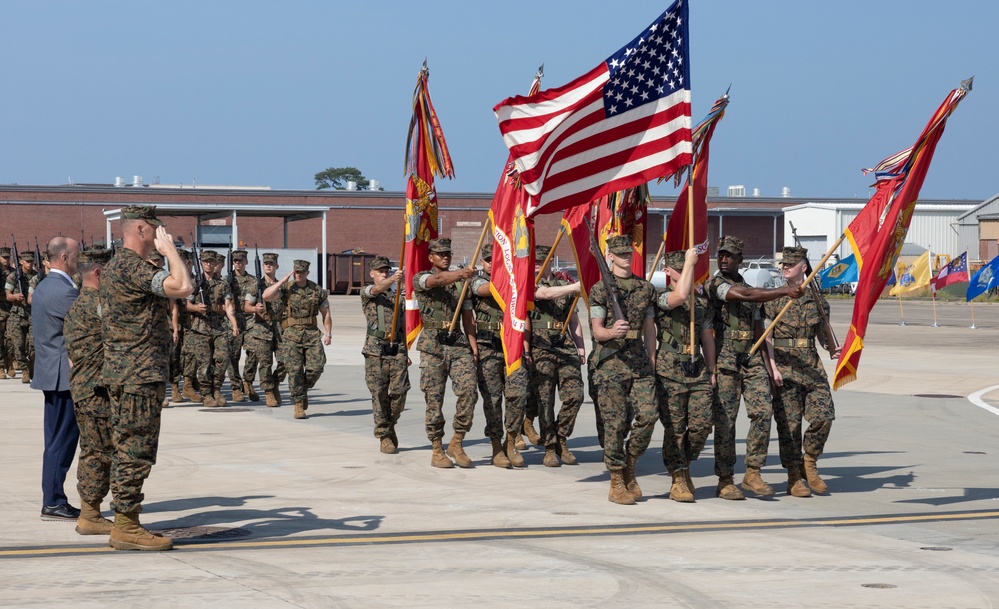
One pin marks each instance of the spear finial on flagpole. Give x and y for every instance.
(541, 72)
(966, 84)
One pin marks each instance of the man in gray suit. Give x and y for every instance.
(50, 303)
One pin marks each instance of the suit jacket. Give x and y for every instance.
(49, 306)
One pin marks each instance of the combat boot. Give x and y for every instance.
(551, 458)
(529, 431)
(208, 400)
(630, 482)
(795, 485)
(3, 374)
(811, 474)
(438, 458)
(679, 491)
(300, 410)
(387, 446)
(512, 453)
(519, 442)
(618, 491)
(189, 392)
(277, 392)
(25, 376)
(728, 490)
(90, 521)
(270, 398)
(564, 454)
(175, 396)
(499, 456)
(753, 482)
(128, 534)
(250, 393)
(457, 452)
(219, 398)
(9, 365)
(237, 394)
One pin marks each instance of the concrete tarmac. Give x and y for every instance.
(267, 511)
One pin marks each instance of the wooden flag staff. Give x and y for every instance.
(464, 286)
(398, 289)
(551, 253)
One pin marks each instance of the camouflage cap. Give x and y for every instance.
(240, 255)
(155, 256)
(4, 252)
(487, 252)
(620, 244)
(302, 266)
(379, 262)
(270, 257)
(208, 256)
(674, 260)
(731, 245)
(28, 256)
(541, 253)
(185, 255)
(793, 255)
(440, 246)
(95, 256)
(141, 212)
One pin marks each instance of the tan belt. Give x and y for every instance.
(217, 309)
(793, 342)
(430, 324)
(739, 334)
(632, 334)
(492, 326)
(552, 325)
(298, 321)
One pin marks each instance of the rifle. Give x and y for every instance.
(22, 281)
(233, 282)
(199, 274)
(605, 275)
(832, 345)
(38, 261)
(261, 286)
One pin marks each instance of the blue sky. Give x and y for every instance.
(268, 93)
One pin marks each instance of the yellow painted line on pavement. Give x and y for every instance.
(490, 534)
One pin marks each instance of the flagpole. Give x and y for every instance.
(572, 309)
(464, 286)
(398, 289)
(804, 284)
(655, 261)
(933, 290)
(551, 253)
(690, 244)
(973, 326)
(901, 311)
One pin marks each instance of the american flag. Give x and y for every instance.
(624, 123)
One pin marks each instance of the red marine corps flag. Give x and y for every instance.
(426, 157)
(629, 216)
(574, 222)
(877, 233)
(512, 278)
(621, 124)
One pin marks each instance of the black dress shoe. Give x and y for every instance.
(60, 512)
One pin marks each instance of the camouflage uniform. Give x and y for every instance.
(688, 399)
(806, 392)
(386, 362)
(19, 339)
(91, 402)
(262, 341)
(493, 381)
(556, 366)
(176, 347)
(738, 377)
(247, 284)
(135, 331)
(301, 350)
(5, 305)
(443, 355)
(210, 335)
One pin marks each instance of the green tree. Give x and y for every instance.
(336, 178)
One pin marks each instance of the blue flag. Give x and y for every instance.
(984, 280)
(845, 271)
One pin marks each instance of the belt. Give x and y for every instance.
(489, 325)
(378, 333)
(631, 334)
(739, 334)
(552, 325)
(682, 350)
(217, 309)
(431, 324)
(793, 342)
(298, 321)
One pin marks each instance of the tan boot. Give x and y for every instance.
(728, 490)
(250, 393)
(237, 394)
(189, 392)
(277, 393)
(679, 491)
(529, 431)
(811, 474)
(270, 398)
(753, 482)
(563, 453)
(618, 491)
(630, 481)
(90, 521)
(438, 458)
(3, 374)
(208, 400)
(9, 365)
(26, 376)
(300, 410)
(519, 442)
(795, 484)
(219, 398)
(387, 446)
(516, 459)
(128, 534)
(499, 455)
(175, 396)
(551, 458)
(457, 452)
(690, 481)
